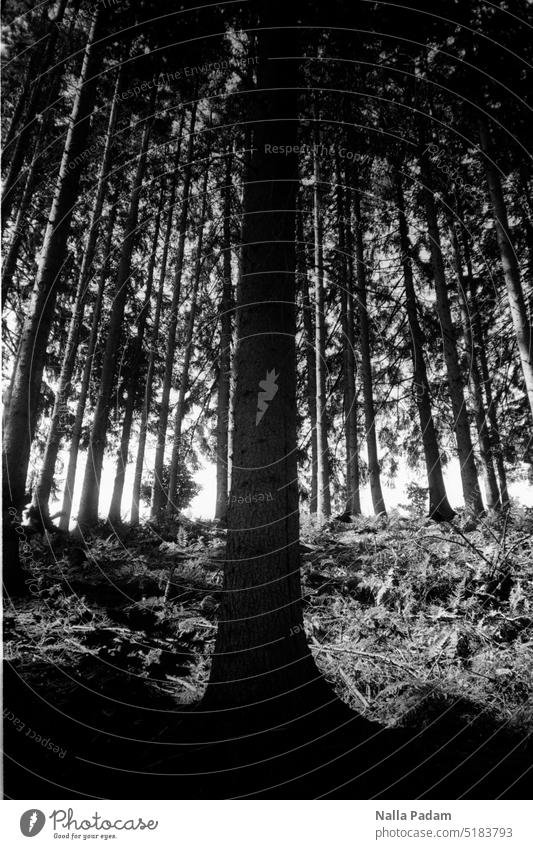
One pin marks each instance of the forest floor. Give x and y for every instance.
(424, 629)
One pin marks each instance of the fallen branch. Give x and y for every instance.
(327, 648)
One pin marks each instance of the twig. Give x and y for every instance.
(326, 648)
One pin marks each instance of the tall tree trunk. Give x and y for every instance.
(378, 502)
(260, 651)
(172, 503)
(36, 329)
(158, 492)
(224, 358)
(115, 508)
(492, 495)
(481, 353)
(17, 147)
(310, 357)
(323, 485)
(522, 326)
(344, 209)
(44, 486)
(88, 513)
(439, 507)
(465, 450)
(148, 389)
(75, 432)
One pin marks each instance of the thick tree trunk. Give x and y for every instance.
(492, 495)
(465, 450)
(378, 502)
(76, 430)
(224, 358)
(172, 501)
(439, 507)
(132, 389)
(28, 376)
(344, 209)
(260, 651)
(310, 357)
(158, 492)
(522, 326)
(323, 484)
(17, 147)
(88, 513)
(44, 486)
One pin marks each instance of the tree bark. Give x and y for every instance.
(378, 502)
(522, 326)
(439, 507)
(88, 513)
(461, 425)
(353, 502)
(260, 652)
(323, 482)
(224, 358)
(310, 356)
(132, 392)
(158, 492)
(42, 491)
(36, 329)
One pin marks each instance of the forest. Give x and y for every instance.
(267, 468)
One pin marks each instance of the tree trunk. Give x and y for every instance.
(44, 486)
(310, 357)
(480, 351)
(465, 450)
(158, 493)
(224, 358)
(522, 326)
(323, 485)
(184, 379)
(378, 502)
(260, 651)
(88, 513)
(27, 380)
(439, 507)
(75, 433)
(492, 495)
(115, 508)
(148, 390)
(353, 502)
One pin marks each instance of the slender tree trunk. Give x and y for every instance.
(323, 485)
(522, 326)
(224, 359)
(75, 432)
(260, 651)
(42, 491)
(439, 507)
(158, 493)
(465, 450)
(172, 502)
(310, 356)
(36, 329)
(88, 513)
(353, 503)
(17, 147)
(480, 351)
(115, 509)
(148, 390)
(492, 495)
(378, 502)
